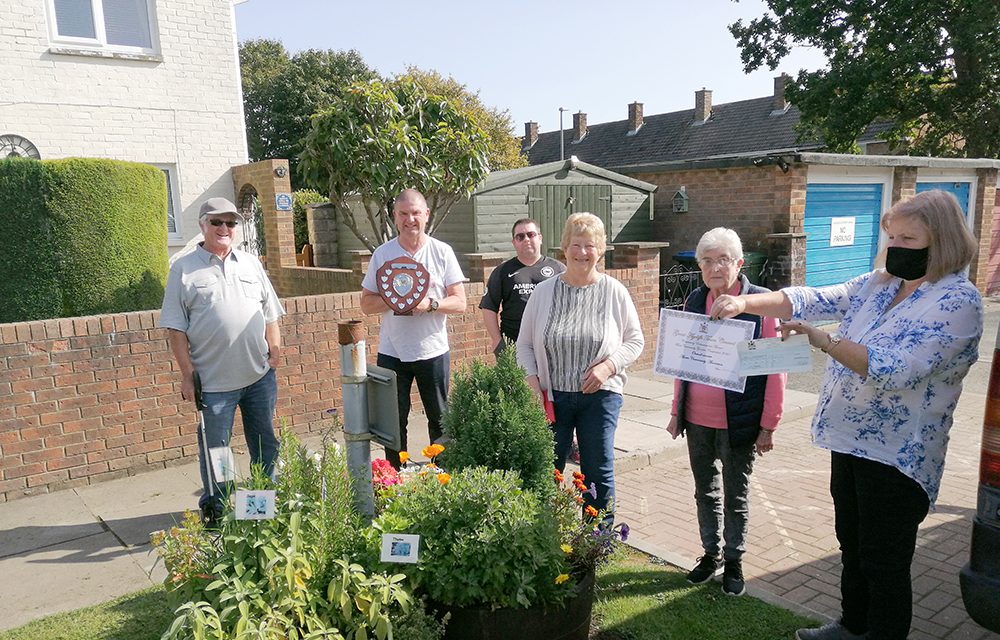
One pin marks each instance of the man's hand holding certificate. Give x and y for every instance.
(722, 353)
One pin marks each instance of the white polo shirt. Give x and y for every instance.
(223, 307)
(424, 335)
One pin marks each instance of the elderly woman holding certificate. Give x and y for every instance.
(908, 335)
(578, 333)
(724, 426)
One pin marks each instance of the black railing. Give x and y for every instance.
(677, 282)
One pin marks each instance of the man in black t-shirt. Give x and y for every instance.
(510, 285)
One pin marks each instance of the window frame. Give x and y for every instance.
(170, 171)
(100, 40)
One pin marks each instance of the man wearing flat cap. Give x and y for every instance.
(221, 313)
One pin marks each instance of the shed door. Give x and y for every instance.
(958, 189)
(550, 205)
(833, 258)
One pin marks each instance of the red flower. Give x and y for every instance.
(383, 473)
(590, 511)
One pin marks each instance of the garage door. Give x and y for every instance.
(841, 227)
(958, 189)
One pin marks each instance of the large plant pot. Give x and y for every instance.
(570, 621)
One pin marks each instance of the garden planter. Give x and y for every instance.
(570, 621)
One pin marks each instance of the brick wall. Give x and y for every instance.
(992, 280)
(84, 400)
(753, 201)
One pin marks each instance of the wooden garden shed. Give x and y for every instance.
(548, 193)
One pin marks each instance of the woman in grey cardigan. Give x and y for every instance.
(578, 333)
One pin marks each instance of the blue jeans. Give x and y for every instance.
(432, 376)
(256, 403)
(722, 496)
(594, 417)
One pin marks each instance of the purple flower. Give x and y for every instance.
(623, 531)
(592, 491)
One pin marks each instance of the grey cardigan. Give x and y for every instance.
(623, 340)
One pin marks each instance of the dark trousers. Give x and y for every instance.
(432, 376)
(877, 511)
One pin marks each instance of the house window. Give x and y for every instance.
(116, 24)
(173, 229)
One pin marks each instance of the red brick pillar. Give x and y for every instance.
(787, 260)
(904, 183)
(481, 265)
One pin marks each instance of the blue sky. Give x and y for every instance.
(534, 57)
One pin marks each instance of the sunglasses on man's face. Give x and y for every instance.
(219, 223)
(527, 234)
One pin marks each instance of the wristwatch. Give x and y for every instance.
(835, 339)
(434, 304)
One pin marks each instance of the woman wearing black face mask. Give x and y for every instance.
(908, 335)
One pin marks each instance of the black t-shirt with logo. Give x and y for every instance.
(509, 287)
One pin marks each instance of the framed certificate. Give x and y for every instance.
(692, 347)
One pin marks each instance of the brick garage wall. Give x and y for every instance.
(753, 201)
(992, 283)
(83, 400)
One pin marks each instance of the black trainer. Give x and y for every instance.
(704, 570)
(211, 518)
(733, 583)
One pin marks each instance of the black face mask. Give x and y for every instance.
(908, 264)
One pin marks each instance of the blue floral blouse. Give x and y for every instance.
(918, 352)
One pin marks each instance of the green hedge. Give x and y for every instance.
(99, 242)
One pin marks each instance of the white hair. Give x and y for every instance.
(720, 239)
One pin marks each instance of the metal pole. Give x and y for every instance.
(354, 377)
(562, 146)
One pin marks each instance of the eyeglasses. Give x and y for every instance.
(527, 234)
(723, 262)
(219, 223)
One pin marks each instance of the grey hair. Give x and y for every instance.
(720, 239)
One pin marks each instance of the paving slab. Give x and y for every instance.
(43, 521)
(63, 577)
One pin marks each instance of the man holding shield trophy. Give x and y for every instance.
(414, 281)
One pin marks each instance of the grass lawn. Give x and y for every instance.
(639, 598)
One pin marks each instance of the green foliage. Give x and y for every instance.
(931, 67)
(485, 540)
(300, 202)
(494, 421)
(90, 237)
(281, 92)
(285, 577)
(505, 147)
(29, 281)
(112, 234)
(376, 140)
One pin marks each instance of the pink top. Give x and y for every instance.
(706, 406)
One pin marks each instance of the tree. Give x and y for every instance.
(376, 140)
(505, 147)
(931, 67)
(281, 92)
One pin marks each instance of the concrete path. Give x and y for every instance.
(80, 547)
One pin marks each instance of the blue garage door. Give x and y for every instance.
(860, 203)
(958, 189)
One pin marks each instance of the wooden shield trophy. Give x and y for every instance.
(402, 283)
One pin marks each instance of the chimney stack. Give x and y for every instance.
(779, 103)
(702, 105)
(579, 126)
(634, 118)
(530, 134)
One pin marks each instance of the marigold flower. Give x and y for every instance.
(557, 475)
(579, 476)
(444, 478)
(403, 456)
(590, 511)
(579, 499)
(432, 450)
(582, 488)
(561, 578)
(566, 548)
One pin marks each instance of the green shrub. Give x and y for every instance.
(301, 200)
(484, 540)
(85, 236)
(29, 284)
(494, 421)
(112, 234)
